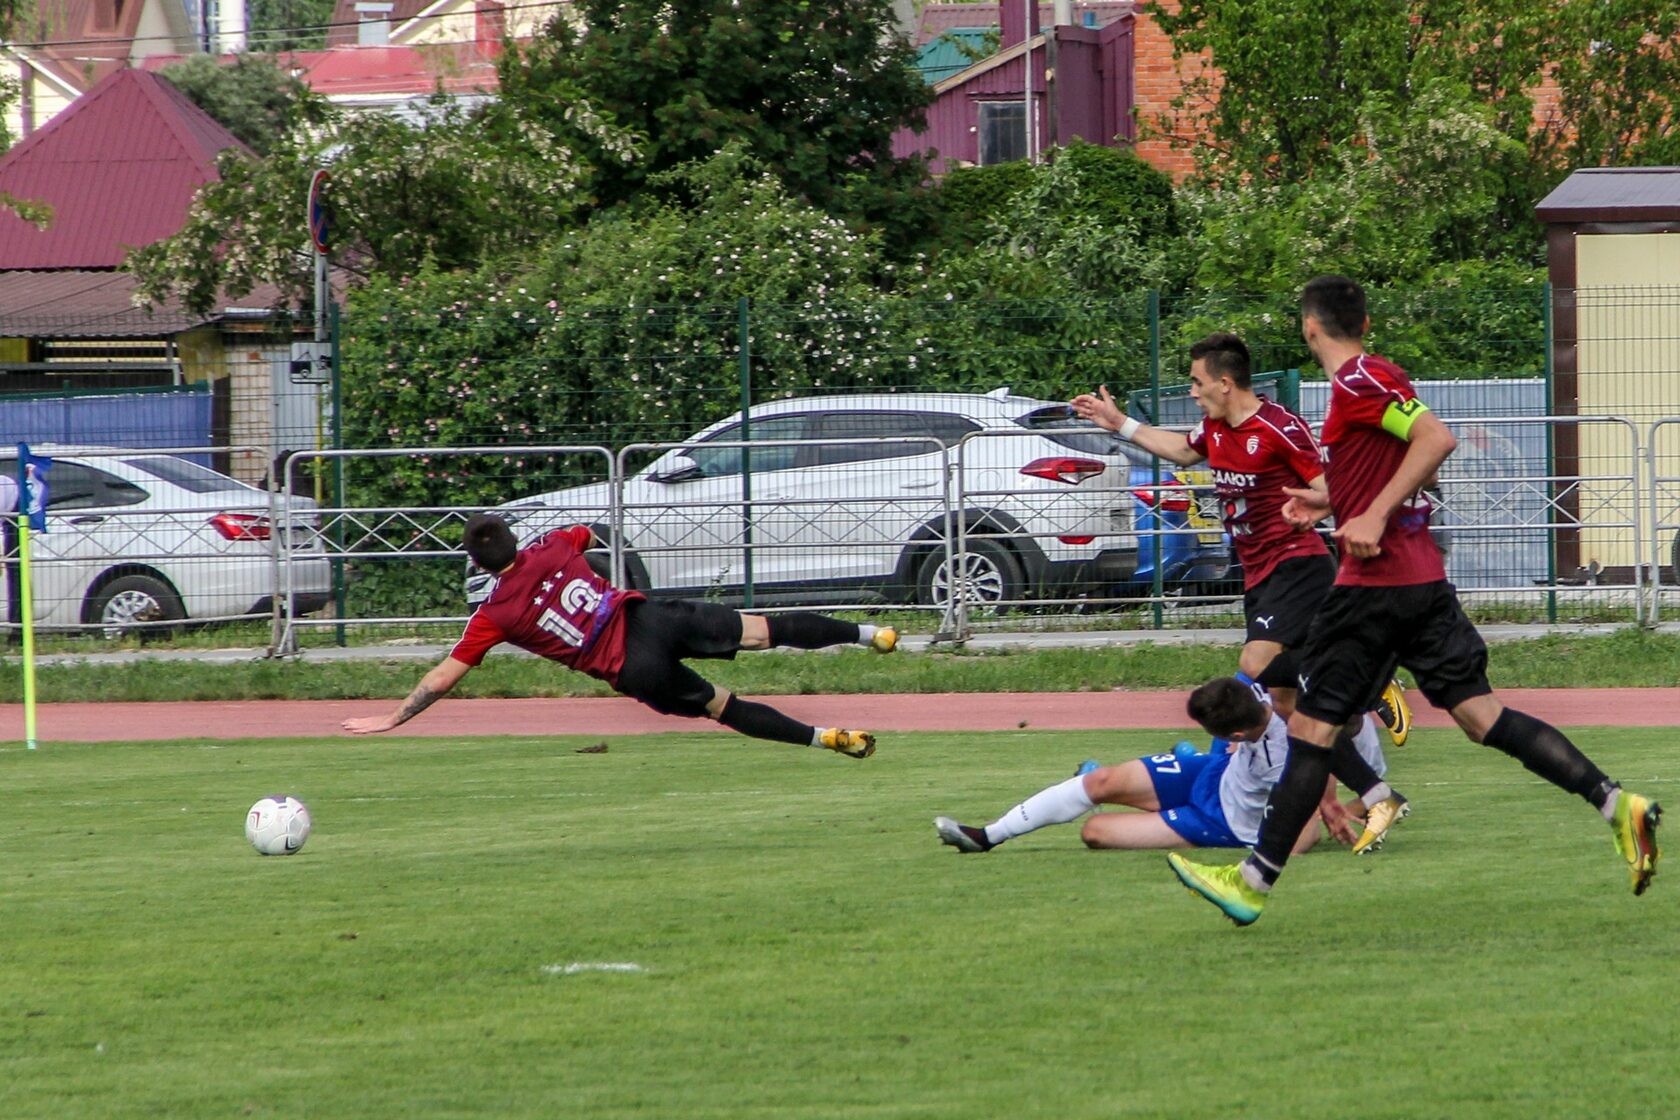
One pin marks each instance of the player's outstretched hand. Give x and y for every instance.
(1339, 820)
(1306, 507)
(1099, 409)
(367, 725)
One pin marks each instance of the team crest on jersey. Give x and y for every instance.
(1253, 444)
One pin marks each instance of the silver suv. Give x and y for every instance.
(847, 502)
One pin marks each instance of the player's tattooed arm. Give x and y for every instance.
(418, 701)
(432, 687)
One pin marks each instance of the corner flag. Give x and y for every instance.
(32, 487)
(31, 515)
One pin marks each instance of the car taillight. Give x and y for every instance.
(1077, 540)
(241, 526)
(1064, 469)
(1166, 499)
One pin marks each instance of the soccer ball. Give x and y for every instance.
(278, 825)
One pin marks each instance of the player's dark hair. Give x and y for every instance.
(1225, 355)
(490, 543)
(1225, 706)
(1338, 304)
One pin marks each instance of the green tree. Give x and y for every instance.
(812, 88)
(251, 96)
(289, 25)
(450, 191)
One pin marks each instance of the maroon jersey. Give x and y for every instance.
(1361, 456)
(551, 603)
(1252, 463)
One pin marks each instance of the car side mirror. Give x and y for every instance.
(678, 467)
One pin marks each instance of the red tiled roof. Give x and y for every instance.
(119, 168)
(98, 303)
(353, 71)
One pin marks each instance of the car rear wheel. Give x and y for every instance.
(128, 600)
(984, 575)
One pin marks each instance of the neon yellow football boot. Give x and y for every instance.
(1222, 886)
(1395, 713)
(1381, 817)
(853, 744)
(1634, 825)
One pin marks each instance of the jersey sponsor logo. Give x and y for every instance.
(1236, 480)
(1236, 517)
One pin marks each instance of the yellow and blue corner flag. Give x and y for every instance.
(32, 487)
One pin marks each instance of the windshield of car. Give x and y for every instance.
(1060, 426)
(187, 475)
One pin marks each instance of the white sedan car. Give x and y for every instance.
(848, 500)
(134, 537)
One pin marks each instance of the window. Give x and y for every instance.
(187, 475)
(1003, 131)
(717, 462)
(75, 486)
(877, 425)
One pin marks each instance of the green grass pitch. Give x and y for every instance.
(803, 945)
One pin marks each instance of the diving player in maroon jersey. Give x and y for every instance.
(549, 601)
(1391, 604)
(1256, 449)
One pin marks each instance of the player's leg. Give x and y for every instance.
(1449, 660)
(1131, 832)
(808, 630)
(1145, 783)
(1343, 663)
(1354, 759)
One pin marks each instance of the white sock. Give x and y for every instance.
(1376, 795)
(1059, 804)
(866, 633)
(1609, 809)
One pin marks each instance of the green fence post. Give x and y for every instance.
(338, 480)
(744, 346)
(1155, 461)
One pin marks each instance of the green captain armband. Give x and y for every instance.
(1398, 418)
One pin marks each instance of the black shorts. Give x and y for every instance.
(1280, 607)
(1362, 633)
(658, 634)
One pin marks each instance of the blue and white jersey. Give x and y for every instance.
(1256, 767)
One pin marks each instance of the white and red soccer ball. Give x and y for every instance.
(278, 825)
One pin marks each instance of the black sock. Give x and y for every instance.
(1350, 766)
(808, 630)
(1546, 751)
(761, 721)
(1293, 801)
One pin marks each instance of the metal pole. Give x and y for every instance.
(1551, 460)
(1155, 461)
(338, 480)
(1031, 7)
(744, 347)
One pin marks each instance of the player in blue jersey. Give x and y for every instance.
(1188, 799)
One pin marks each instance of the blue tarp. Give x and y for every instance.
(148, 418)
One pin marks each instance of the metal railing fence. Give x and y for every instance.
(999, 528)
